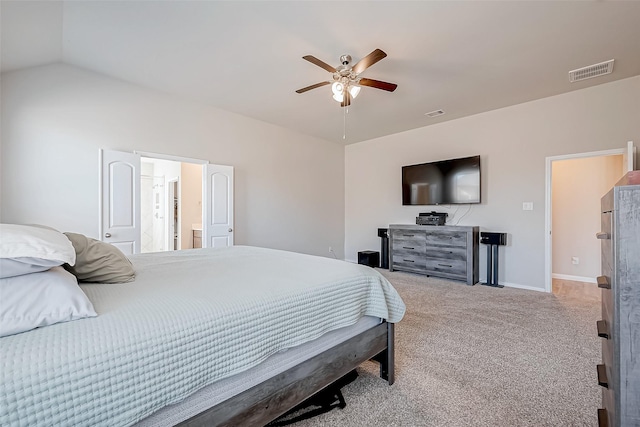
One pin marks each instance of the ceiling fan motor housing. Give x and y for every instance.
(345, 59)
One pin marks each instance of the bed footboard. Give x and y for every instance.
(272, 398)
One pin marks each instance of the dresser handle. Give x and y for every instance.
(603, 236)
(603, 418)
(408, 235)
(406, 247)
(602, 329)
(445, 265)
(408, 260)
(602, 376)
(603, 282)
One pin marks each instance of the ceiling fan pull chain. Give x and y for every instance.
(344, 123)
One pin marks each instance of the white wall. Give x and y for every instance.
(31, 33)
(577, 187)
(289, 188)
(513, 143)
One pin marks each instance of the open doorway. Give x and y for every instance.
(204, 202)
(170, 204)
(577, 186)
(578, 182)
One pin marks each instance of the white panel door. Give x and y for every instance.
(120, 200)
(629, 158)
(217, 198)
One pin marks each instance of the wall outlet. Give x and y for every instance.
(330, 249)
(575, 260)
(527, 206)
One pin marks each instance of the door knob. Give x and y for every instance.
(230, 230)
(107, 235)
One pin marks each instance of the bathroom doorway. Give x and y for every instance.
(170, 205)
(204, 202)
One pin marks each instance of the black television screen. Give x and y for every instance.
(455, 181)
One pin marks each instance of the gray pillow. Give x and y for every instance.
(99, 262)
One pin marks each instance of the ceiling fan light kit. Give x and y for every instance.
(346, 78)
(339, 88)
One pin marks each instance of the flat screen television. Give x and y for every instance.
(454, 181)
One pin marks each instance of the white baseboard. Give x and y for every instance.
(507, 284)
(518, 286)
(573, 278)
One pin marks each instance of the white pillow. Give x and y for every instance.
(31, 248)
(10, 267)
(40, 299)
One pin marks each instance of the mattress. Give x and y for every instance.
(190, 318)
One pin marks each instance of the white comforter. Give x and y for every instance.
(190, 318)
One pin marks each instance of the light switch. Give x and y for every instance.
(527, 206)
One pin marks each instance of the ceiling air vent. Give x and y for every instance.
(595, 70)
(434, 113)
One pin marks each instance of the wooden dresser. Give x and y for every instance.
(619, 373)
(443, 251)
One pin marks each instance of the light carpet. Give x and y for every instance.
(481, 356)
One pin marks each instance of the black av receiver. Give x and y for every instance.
(432, 218)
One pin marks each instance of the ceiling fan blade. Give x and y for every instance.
(304, 89)
(346, 101)
(368, 61)
(378, 84)
(319, 63)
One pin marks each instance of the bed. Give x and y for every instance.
(233, 336)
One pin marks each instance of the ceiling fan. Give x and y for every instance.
(346, 78)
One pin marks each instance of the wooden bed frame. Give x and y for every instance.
(268, 400)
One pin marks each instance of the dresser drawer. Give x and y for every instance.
(405, 246)
(603, 418)
(606, 415)
(411, 258)
(447, 238)
(447, 252)
(606, 249)
(607, 310)
(455, 268)
(409, 236)
(409, 262)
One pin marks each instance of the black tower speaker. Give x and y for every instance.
(383, 233)
(493, 241)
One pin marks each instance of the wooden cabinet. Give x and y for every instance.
(619, 372)
(443, 251)
(197, 239)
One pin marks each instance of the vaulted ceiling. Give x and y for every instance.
(246, 57)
